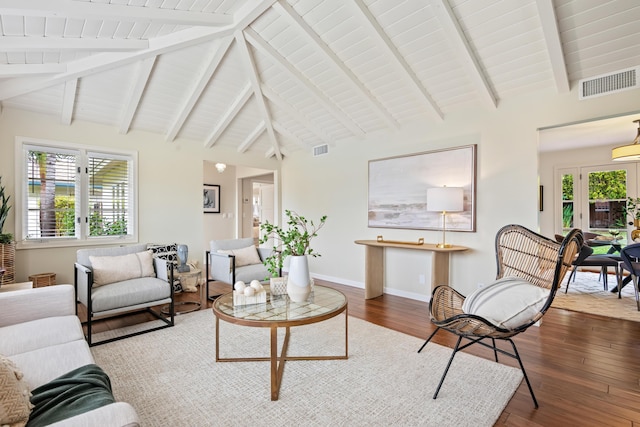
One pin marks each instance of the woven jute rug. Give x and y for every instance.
(587, 295)
(171, 378)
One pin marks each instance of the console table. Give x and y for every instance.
(374, 274)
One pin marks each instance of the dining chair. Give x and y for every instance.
(631, 262)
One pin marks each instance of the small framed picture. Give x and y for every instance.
(211, 198)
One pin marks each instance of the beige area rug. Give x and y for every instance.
(587, 295)
(171, 378)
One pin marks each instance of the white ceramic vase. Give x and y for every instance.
(298, 284)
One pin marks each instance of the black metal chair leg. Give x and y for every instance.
(455, 350)
(495, 350)
(429, 339)
(526, 378)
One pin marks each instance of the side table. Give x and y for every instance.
(190, 282)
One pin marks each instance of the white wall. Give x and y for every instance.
(507, 188)
(170, 178)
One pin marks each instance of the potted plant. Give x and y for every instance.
(632, 212)
(292, 241)
(7, 245)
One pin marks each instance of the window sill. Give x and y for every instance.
(46, 244)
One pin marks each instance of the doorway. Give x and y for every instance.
(263, 208)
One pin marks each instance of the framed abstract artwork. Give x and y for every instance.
(398, 189)
(211, 198)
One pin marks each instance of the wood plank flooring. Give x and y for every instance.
(585, 369)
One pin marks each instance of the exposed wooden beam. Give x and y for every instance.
(219, 50)
(261, 45)
(68, 101)
(254, 78)
(135, 93)
(110, 11)
(464, 51)
(252, 137)
(19, 70)
(397, 60)
(229, 115)
(56, 44)
(294, 18)
(109, 60)
(551, 33)
(295, 114)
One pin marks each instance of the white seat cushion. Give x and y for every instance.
(28, 336)
(508, 302)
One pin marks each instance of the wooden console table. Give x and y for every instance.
(374, 274)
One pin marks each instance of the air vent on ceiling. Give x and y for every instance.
(609, 83)
(320, 150)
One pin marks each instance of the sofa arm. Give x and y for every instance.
(83, 277)
(119, 414)
(38, 303)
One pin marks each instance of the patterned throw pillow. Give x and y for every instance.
(15, 406)
(170, 253)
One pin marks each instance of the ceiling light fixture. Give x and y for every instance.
(220, 167)
(628, 152)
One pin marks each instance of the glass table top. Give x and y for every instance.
(322, 303)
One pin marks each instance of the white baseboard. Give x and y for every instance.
(360, 285)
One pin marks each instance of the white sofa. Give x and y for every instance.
(41, 334)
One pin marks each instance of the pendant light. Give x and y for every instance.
(628, 152)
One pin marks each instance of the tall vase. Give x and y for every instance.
(298, 284)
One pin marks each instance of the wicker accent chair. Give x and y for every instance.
(522, 255)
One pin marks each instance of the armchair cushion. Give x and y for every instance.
(509, 302)
(244, 256)
(130, 293)
(111, 269)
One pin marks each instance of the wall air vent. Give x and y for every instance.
(320, 150)
(609, 83)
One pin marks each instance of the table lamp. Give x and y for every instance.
(445, 199)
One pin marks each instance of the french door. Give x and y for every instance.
(593, 197)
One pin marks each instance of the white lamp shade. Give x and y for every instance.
(449, 199)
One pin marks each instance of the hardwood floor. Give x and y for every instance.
(585, 369)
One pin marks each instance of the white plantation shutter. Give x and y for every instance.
(74, 193)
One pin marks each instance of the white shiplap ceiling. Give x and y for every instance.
(272, 77)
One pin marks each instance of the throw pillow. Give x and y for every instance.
(111, 269)
(15, 406)
(244, 256)
(170, 254)
(508, 302)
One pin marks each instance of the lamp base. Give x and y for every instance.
(444, 245)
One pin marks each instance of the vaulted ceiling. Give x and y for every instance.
(272, 77)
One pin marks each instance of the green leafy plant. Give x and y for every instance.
(295, 240)
(4, 212)
(632, 209)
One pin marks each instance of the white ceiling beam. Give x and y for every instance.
(113, 12)
(219, 50)
(464, 51)
(229, 115)
(68, 101)
(262, 46)
(110, 60)
(252, 137)
(135, 93)
(295, 114)
(20, 70)
(294, 18)
(249, 12)
(254, 78)
(549, 22)
(271, 152)
(397, 60)
(57, 44)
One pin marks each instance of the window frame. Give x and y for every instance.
(22, 146)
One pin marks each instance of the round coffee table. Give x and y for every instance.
(279, 312)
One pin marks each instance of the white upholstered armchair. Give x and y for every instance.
(232, 260)
(116, 281)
